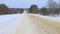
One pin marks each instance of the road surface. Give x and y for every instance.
(31, 24)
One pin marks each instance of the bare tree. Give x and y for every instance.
(52, 7)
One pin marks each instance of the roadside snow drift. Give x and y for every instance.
(28, 24)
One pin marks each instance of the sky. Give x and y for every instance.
(24, 3)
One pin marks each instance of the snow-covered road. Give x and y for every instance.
(28, 24)
(44, 25)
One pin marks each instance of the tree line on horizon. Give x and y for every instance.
(44, 10)
(33, 9)
(5, 10)
(53, 9)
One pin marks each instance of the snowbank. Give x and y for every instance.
(57, 18)
(9, 23)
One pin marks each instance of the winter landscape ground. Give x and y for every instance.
(29, 24)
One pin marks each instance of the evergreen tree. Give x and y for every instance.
(33, 9)
(44, 11)
(3, 9)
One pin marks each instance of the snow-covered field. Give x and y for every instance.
(22, 24)
(9, 23)
(57, 18)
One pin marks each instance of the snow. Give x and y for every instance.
(57, 18)
(9, 23)
(7, 18)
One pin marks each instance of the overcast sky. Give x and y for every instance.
(24, 3)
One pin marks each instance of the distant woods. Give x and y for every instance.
(44, 11)
(33, 9)
(6, 10)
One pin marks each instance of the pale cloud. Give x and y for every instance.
(24, 3)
